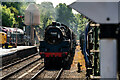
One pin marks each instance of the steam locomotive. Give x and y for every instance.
(59, 43)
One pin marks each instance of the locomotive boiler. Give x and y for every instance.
(58, 44)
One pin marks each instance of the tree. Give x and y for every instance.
(74, 21)
(79, 23)
(16, 5)
(64, 14)
(0, 15)
(47, 13)
(17, 9)
(7, 17)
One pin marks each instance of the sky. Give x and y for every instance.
(56, 2)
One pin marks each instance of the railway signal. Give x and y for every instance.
(19, 16)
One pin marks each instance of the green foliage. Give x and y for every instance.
(47, 13)
(14, 9)
(75, 21)
(0, 15)
(61, 13)
(0, 8)
(79, 23)
(64, 14)
(7, 17)
(16, 5)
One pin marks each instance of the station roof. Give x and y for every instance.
(99, 11)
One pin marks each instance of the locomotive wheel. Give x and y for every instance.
(46, 62)
(55, 63)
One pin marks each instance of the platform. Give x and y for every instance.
(4, 52)
(73, 72)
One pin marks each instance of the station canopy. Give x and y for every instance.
(99, 11)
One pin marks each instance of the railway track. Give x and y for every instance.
(23, 70)
(38, 73)
(59, 74)
(56, 74)
(14, 63)
(19, 67)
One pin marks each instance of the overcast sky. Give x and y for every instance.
(56, 2)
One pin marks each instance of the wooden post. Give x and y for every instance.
(32, 30)
(32, 36)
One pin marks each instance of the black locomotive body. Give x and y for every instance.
(59, 43)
